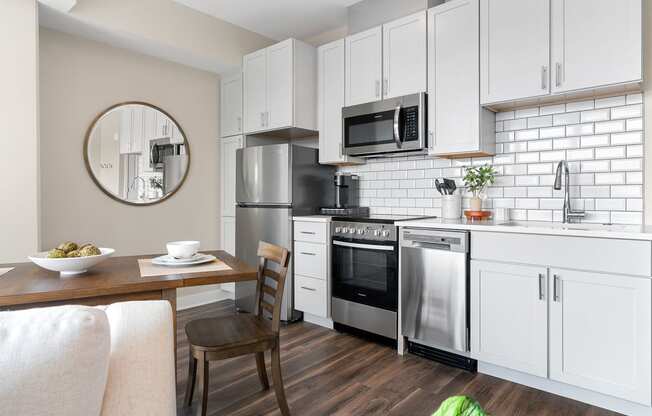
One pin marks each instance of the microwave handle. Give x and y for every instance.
(397, 133)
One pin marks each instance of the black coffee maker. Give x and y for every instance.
(347, 190)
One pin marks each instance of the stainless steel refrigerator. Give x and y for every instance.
(273, 183)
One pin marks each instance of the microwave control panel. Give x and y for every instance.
(411, 124)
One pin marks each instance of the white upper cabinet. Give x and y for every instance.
(404, 56)
(509, 316)
(255, 90)
(600, 328)
(514, 49)
(279, 84)
(595, 43)
(231, 105)
(457, 124)
(228, 148)
(280, 88)
(330, 100)
(364, 64)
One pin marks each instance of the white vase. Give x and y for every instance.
(476, 203)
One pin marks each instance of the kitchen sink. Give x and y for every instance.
(568, 226)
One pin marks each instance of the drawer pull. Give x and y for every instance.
(556, 283)
(307, 254)
(542, 295)
(307, 232)
(309, 288)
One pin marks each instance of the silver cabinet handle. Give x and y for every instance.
(544, 77)
(377, 89)
(305, 253)
(307, 232)
(555, 288)
(239, 123)
(431, 139)
(308, 288)
(542, 295)
(558, 74)
(262, 119)
(385, 87)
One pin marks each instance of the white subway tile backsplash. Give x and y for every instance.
(601, 139)
(610, 102)
(613, 126)
(537, 122)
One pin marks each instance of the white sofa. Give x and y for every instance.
(81, 361)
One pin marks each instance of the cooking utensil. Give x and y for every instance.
(450, 184)
(439, 186)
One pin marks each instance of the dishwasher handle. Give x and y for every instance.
(454, 241)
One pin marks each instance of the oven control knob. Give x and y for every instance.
(385, 233)
(338, 229)
(351, 230)
(376, 233)
(360, 231)
(345, 230)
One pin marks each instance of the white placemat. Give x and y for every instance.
(5, 270)
(147, 269)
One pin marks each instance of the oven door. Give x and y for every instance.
(366, 272)
(388, 126)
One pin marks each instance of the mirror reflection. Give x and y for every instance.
(137, 154)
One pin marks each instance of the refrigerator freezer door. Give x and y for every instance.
(254, 224)
(263, 175)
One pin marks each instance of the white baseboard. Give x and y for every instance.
(318, 320)
(566, 390)
(198, 296)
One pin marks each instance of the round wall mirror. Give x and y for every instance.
(137, 153)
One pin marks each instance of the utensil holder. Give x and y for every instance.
(451, 206)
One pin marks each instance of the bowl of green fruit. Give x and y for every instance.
(69, 258)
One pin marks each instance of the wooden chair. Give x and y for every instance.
(214, 339)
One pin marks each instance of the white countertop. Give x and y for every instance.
(312, 218)
(625, 232)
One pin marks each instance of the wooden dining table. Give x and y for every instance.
(117, 279)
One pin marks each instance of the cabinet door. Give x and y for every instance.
(137, 129)
(330, 100)
(279, 85)
(453, 77)
(162, 125)
(404, 56)
(231, 105)
(509, 320)
(595, 43)
(514, 49)
(255, 90)
(125, 130)
(227, 173)
(364, 65)
(600, 328)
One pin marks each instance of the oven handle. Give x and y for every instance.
(366, 246)
(397, 133)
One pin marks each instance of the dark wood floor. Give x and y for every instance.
(327, 372)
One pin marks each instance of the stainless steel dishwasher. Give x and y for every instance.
(435, 294)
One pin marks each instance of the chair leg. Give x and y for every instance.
(204, 398)
(262, 372)
(277, 379)
(192, 375)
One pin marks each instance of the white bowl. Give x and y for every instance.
(70, 265)
(182, 249)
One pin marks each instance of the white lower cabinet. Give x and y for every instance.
(509, 318)
(600, 328)
(311, 296)
(590, 330)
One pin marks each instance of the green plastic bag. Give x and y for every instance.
(460, 406)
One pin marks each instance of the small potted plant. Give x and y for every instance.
(155, 187)
(476, 179)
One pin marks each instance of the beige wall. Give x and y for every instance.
(79, 79)
(19, 139)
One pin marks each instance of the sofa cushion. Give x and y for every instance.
(141, 372)
(54, 361)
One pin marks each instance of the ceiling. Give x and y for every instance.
(278, 19)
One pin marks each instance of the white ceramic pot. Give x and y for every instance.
(451, 206)
(476, 204)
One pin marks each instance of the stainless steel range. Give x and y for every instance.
(365, 273)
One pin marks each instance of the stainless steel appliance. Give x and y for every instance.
(435, 292)
(159, 149)
(174, 169)
(347, 190)
(391, 126)
(365, 273)
(273, 183)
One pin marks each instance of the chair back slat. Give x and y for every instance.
(269, 253)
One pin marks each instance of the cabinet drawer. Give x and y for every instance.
(631, 257)
(313, 232)
(311, 296)
(310, 259)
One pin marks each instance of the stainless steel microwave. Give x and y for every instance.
(394, 125)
